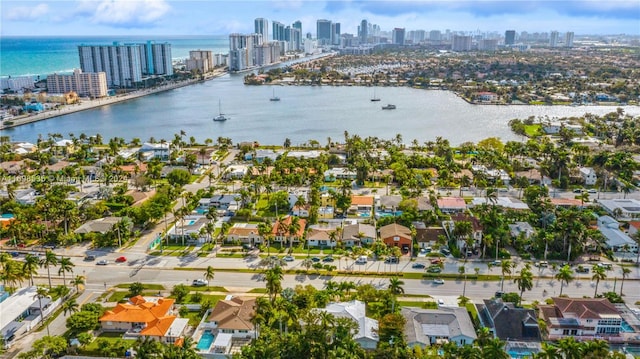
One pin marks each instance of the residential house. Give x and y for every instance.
(301, 211)
(361, 205)
(476, 233)
(451, 204)
(428, 236)
(339, 173)
(582, 318)
(12, 167)
(150, 317)
(319, 238)
(427, 327)
(367, 333)
(395, 235)
(305, 154)
(588, 175)
(518, 229)
(20, 312)
(281, 232)
(634, 227)
(622, 209)
(508, 322)
(260, 155)
(161, 151)
(100, 225)
(235, 172)
(387, 204)
(247, 233)
(424, 204)
(231, 324)
(486, 97)
(357, 234)
(615, 239)
(504, 202)
(189, 229)
(326, 212)
(553, 128)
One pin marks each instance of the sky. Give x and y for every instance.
(213, 17)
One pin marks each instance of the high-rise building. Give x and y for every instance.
(397, 36)
(92, 84)
(298, 25)
(510, 37)
(461, 43)
(435, 35)
(323, 32)
(294, 38)
(335, 33)
(553, 39)
(262, 27)
(363, 31)
(488, 45)
(568, 39)
(17, 83)
(278, 31)
(122, 64)
(156, 58)
(200, 60)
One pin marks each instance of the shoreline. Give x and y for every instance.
(93, 104)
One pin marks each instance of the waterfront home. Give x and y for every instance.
(261, 155)
(427, 327)
(149, 317)
(553, 128)
(582, 318)
(304, 154)
(395, 235)
(161, 151)
(366, 334)
(508, 322)
(246, 233)
(227, 328)
(356, 234)
(615, 239)
(622, 209)
(20, 312)
(451, 204)
(339, 173)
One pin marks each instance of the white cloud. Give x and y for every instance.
(27, 12)
(130, 13)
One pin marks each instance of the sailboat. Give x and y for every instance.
(374, 98)
(221, 117)
(274, 97)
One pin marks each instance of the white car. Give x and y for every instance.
(102, 262)
(361, 260)
(200, 282)
(438, 281)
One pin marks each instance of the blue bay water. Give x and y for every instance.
(22, 56)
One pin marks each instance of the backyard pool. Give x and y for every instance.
(205, 341)
(626, 328)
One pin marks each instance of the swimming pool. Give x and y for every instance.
(205, 341)
(626, 328)
(519, 354)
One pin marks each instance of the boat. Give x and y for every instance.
(221, 117)
(389, 107)
(374, 98)
(274, 97)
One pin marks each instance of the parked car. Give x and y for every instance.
(445, 251)
(496, 263)
(592, 191)
(578, 190)
(288, 258)
(89, 258)
(582, 269)
(418, 266)
(391, 260)
(102, 262)
(436, 261)
(438, 281)
(542, 264)
(200, 283)
(121, 259)
(499, 294)
(327, 259)
(434, 269)
(361, 260)
(15, 254)
(606, 266)
(315, 259)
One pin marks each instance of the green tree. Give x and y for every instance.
(65, 266)
(180, 292)
(209, 274)
(70, 306)
(135, 288)
(48, 261)
(41, 293)
(77, 281)
(30, 266)
(506, 267)
(599, 273)
(83, 321)
(564, 275)
(524, 281)
(178, 177)
(625, 273)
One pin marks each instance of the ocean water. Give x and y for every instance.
(39, 56)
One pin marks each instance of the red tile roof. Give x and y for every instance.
(138, 310)
(585, 307)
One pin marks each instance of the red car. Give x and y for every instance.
(121, 259)
(436, 261)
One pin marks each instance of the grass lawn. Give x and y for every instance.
(258, 290)
(424, 305)
(205, 297)
(532, 130)
(92, 348)
(207, 289)
(194, 318)
(144, 286)
(473, 312)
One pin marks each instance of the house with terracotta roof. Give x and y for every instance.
(582, 318)
(145, 317)
(451, 204)
(281, 231)
(361, 204)
(247, 233)
(395, 235)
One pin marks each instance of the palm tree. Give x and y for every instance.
(549, 351)
(294, 228)
(564, 275)
(524, 281)
(209, 274)
(570, 348)
(65, 266)
(599, 273)
(273, 277)
(30, 266)
(42, 292)
(506, 266)
(395, 286)
(77, 281)
(70, 306)
(49, 260)
(625, 273)
(494, 349)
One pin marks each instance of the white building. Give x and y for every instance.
(621, 209)
(616, 240)
(17, 84)
(588, 175)
(581, 318)
(426, 327)
(367, 334)
(20, 312)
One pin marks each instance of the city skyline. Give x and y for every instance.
(187, 17)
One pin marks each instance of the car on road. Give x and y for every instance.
(418, 265)
(496, 263)
(499, 294)
(315, 259)
(438, 281)
(200, 283)
(102, 262)
(434, 269)
(121, 259)
(361, 260)
(440, 301)
(89, 258)
(288, 258)
(391, 260)
(15, 254)
(578, 190)
(582, 269)
(445, 251)
(606, 266)
(542, 264)
(592, 191)
(327, 259)
(436, 261)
